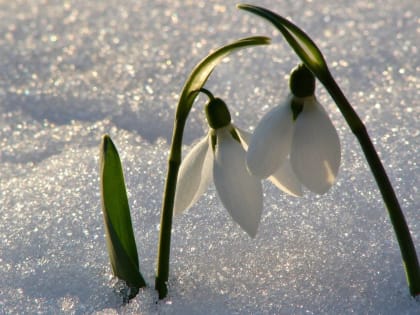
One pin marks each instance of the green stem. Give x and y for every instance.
(408, 251)
(167, 210)
(192, 86)
(312, 57)
(168, 202)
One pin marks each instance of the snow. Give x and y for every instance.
(71, 71)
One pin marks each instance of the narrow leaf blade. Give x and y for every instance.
(120, 239)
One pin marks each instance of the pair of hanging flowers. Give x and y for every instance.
(295, 144)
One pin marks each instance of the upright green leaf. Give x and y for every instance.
(301, 43)
(120, 239)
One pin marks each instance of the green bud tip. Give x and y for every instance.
(297, 107)
(302, 82)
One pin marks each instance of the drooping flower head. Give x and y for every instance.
(300, 133)
(221, 155)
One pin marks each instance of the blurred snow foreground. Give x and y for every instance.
(72, 71)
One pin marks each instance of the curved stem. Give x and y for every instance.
(194, 83)
(408, 251)
(312, 57)
(207, 92)
(174, 163)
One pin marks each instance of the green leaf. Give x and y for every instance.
(120, 239)
(301, 43)
(202, 71)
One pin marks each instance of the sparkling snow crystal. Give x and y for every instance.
(71, 71)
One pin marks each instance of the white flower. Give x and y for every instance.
(221, 156)
(306, 146)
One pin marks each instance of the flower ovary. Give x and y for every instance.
(217, 113)
(302, 82)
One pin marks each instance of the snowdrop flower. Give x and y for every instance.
(296, 140)
(221, 155)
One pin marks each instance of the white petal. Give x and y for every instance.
(270, 143)
(194, 176)
(239, 191)
(315, 154)
(285, 179)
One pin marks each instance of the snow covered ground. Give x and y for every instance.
(71, 71)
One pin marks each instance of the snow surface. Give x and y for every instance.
(71, 71)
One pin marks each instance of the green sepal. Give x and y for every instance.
(301, 43)
(120, 239)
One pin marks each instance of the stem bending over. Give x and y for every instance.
(194, 83)
(313, 59)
